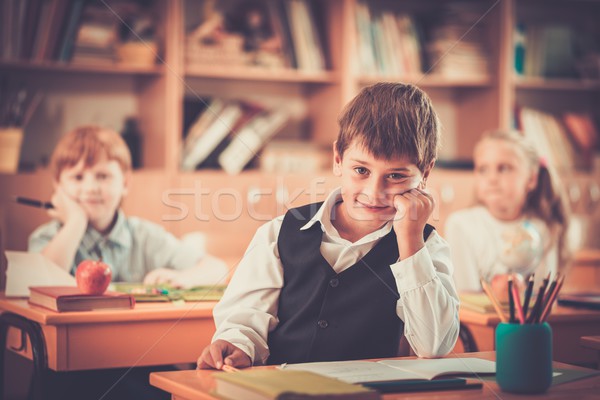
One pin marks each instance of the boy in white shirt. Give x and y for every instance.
(346, 279)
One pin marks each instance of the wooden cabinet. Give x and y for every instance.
(468, 104)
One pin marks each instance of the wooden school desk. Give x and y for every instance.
(568, 326)
(592, 342)
(149, 334)
(200, 384)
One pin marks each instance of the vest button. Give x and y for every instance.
(334, 282)
(323, 324)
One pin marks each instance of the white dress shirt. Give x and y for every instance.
(428, 302)
(132, 248)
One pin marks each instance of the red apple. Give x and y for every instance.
(93, 276)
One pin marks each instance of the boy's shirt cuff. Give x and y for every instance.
(415, 271)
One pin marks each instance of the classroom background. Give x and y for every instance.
(230, 107)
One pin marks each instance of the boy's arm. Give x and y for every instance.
(62, 248)
(181, 263)
(428, 302)
(208, 271)
(248, 310)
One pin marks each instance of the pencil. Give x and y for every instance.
(552, 299)
(538, 303)
(34, 203)
(490, 295)
(229, 368)
(517, 302)
(511, 300)
(528, 292)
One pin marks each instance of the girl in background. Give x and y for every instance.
(520, 222)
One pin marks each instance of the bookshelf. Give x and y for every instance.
(468, 104)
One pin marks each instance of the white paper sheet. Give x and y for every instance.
(392, 370)
(32, 269)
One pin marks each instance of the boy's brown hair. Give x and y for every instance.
(391, 120)
(89, 143)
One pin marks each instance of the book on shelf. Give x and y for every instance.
(66, 43)
(270, 384)
(363, 372)
(70, 298)
(550, 138)
(250, 138)
(209, 132)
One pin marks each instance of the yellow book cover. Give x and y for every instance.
(478, 302)
(270, 384)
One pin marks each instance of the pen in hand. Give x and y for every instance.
(34, 203)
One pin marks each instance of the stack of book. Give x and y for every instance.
(228, 134)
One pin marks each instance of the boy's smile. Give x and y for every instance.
(369, 186)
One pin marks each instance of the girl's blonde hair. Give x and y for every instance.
(546, 201)
(89, 143)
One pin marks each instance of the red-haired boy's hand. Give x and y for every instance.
(65, 208)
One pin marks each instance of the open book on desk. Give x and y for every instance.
(397, 370)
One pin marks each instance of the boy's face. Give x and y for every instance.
(369, 184)
(98, 189)
(503, 178)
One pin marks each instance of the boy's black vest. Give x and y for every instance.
(324, 316)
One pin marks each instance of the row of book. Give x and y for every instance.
(393, 42)
(550, 50)
(69, 30)
(568, 142)
(272, 34)
(229, 134)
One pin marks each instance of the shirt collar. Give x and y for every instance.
(323, 216)
(119, 234)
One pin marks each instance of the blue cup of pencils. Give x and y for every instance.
(524, 357)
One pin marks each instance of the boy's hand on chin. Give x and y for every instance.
(413, 209)
(65, 208)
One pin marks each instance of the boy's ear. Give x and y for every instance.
(126, 182)
(337, 161)
(428, 169)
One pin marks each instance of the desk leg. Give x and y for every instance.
(38, 349)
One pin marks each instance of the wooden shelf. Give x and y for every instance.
(116, 69)
(431, 81)
(534, 83)
(262, 74)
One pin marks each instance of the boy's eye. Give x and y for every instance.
(78, 177)
(504, 168)
(361, 170)
(396, 177)
(101, 176)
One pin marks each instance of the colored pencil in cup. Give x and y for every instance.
(495, 303)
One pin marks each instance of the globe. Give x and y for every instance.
(522, 248)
